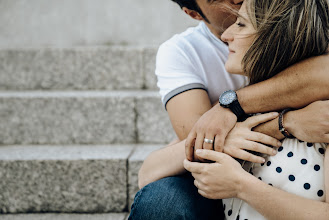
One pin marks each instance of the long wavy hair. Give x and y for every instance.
(287, 31)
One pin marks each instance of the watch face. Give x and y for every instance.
(227, 97)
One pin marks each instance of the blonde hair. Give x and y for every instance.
(287, 31)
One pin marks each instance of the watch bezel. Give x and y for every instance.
(227, 103)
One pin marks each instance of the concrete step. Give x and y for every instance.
(69, 179)
(90, 117)
(89, 22)
(112, 216)
(83, 68)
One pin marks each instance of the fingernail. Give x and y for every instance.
(198, 151)
(279, 144)
(275, 113)
(263, 160)
(274, 152)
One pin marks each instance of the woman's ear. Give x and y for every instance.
(193, 14)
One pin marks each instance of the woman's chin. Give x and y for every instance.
(234, 70)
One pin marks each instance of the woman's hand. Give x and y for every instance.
(218, 180)
(242, 138)
(311, 123)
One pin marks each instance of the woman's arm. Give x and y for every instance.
(226, 179)
(310, 124)
(268, 200)
(165, 162)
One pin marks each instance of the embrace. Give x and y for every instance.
(260, 151)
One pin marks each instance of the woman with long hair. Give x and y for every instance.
(268, 37)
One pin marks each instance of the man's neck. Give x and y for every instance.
(215, 32)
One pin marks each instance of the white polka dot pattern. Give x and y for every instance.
(297, 168)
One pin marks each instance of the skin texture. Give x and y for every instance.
(226, 179)
(219, 18)
(283, 91)
(239, 37)
(187, 108)
(168, 161)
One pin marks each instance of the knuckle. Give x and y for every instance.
(255, 147)
(269, 150)
(203, 180)
(248, 157)
(217, 129)
(221, 148)
(206, 189)
(203, 170)
(260, 137)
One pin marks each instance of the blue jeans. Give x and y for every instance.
(174, 198)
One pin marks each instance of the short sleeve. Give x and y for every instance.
(176, 71)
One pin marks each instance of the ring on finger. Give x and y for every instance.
(208, 141)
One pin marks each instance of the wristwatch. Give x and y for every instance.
(229, 99)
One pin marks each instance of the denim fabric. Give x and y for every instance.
(174, 198)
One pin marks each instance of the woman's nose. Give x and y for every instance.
(227, 35)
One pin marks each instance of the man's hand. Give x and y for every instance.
(310, 124)
(214, 125)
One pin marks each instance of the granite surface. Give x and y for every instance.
(153, 123)
(84, 68)
(112, 216)
(65, 179)
(67, 117)
(149, 60)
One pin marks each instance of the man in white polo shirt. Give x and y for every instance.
(191, 77)
(195, 59)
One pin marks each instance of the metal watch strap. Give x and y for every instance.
(282, 129)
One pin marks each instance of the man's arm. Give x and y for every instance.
(297, 86)
(185, 110)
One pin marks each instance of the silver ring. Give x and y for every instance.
(208, 141)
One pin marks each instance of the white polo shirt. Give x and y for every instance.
(194, 59)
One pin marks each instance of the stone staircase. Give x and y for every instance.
(76, 124)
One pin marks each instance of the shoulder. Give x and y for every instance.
(187, 41)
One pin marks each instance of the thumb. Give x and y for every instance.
(211, 155)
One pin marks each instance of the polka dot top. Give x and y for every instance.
(297, 168)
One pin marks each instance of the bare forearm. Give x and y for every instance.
(270, 128)
(185, 110)
(275, 204)
(295, 87)
(162, 163)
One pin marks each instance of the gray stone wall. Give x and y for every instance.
(64, 23)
